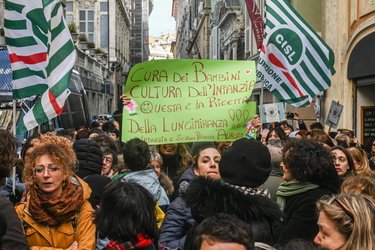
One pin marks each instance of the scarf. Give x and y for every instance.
(56, 211)
(252, 191)
(291, 188)
(142, 241)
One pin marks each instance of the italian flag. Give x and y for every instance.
(42, 56)
(295, 64)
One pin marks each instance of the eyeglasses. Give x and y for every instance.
(341, 159)
(333, 199)
(52, 170)
(107, 159)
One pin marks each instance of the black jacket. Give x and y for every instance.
(301, 216)
(14, 238)
(207, 197)
(89, 169)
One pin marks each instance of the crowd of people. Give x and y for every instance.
(286, 189)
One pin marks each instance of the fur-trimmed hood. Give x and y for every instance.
(207, 197)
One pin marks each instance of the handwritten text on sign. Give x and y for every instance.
(186, 100)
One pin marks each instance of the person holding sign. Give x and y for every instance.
(176, 159)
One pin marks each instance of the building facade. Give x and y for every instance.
(140, 11)
(106, 25)
(349, 28)
(160, 47)
(221, 30)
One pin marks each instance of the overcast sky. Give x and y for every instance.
(161, 20)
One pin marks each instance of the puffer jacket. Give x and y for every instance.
(208, 197)
(149, 180)
(79, 228)
(90, 163)
(178, 219)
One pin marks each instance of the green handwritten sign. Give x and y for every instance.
(187, 100)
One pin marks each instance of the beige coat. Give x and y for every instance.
(40, 236)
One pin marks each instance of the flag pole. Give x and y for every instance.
(14, 132)
(261, 105)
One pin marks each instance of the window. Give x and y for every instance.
(104, 31)
(86, 24)
(69, 19)
(69, 6)
(104, 6)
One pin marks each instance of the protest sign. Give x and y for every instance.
(334, 114)
(273, 112)
(187, 100)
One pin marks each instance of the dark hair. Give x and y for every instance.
(96, 130)
(298, 244)
(114, 130)
(94, 125)
(8, 152)
(224, 228)
(316, 125)
(126, 210)
(81, 134)
(107, 151)
(105, 141)
(107, 126)
(279, 131)
(28, 144)
(198, 152)
(70, 132)
(136, 154)
(368, 144)
(348, 157)
(307, 159)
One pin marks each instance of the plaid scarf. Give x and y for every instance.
(142, 241)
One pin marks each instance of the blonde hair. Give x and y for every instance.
(354, 216)
(360, 156)
(58, 148)
(359, 184)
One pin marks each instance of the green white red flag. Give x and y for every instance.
(295, 64)
(42, 55)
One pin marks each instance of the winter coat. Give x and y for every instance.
(90, 164)
(186, 177)
(301, 216)
(148, 179)
(273, 182)
(79, 228)
(166, 183)
(178, 219)
(177, 222)
(208, 197)
(13, 237)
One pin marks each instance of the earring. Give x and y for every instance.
(35, 185)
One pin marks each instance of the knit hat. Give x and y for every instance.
(246, 163)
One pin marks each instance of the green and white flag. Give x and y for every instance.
(295, 64)
(42, 55)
